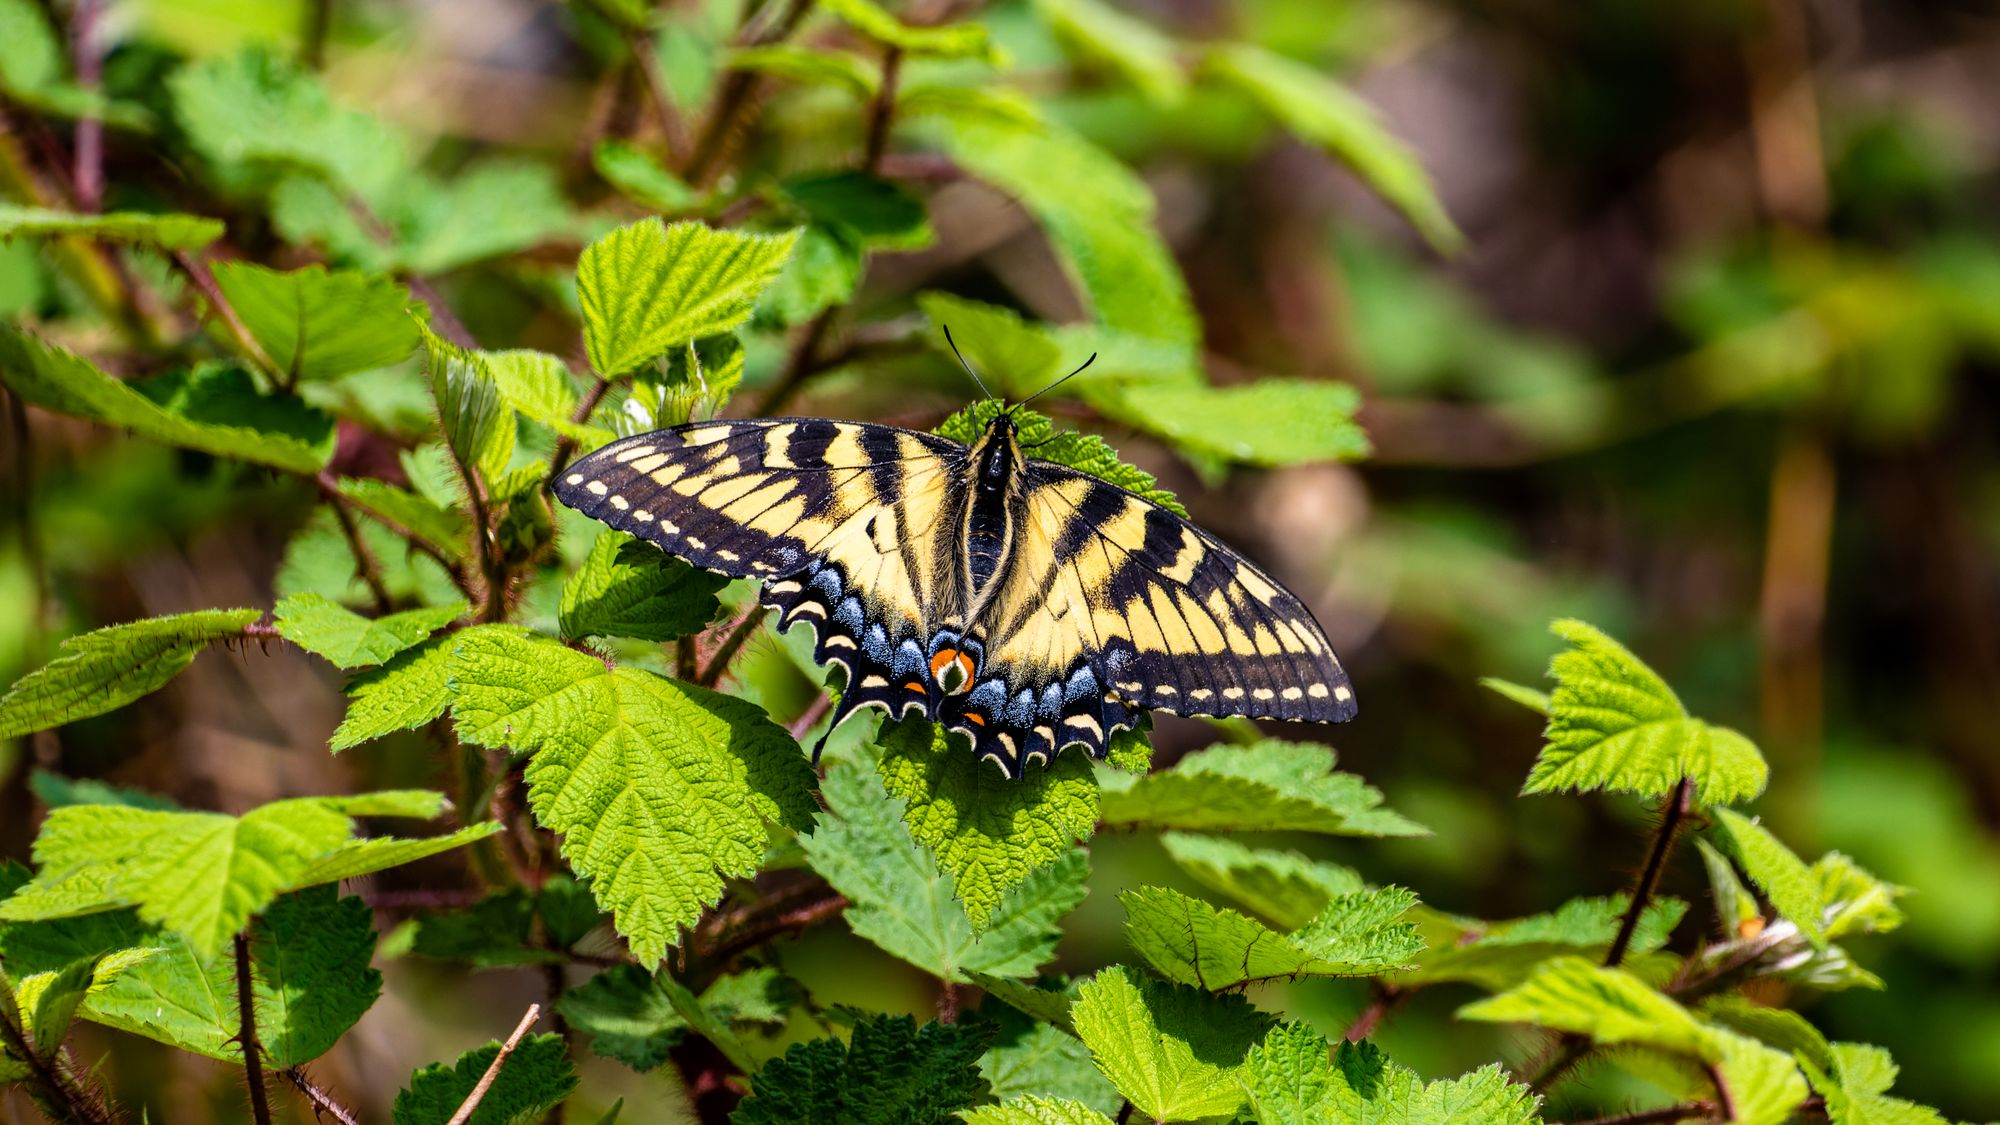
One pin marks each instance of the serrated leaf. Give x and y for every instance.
(379, 853)
(1285, 887)
(536, 1077)
(631, 1016)
(477, 423)
(1190, 941)
(442, 527)
(1131, 47)
(1614, 724)
(1268, 422)
(949, 41)
(319, 325)
(1034, 1111)
(824, 270)
(1173, 1051)
(901, 901)
(411, 689)
(1499, 955)
(1018, 357)
(314, 948)
(867, 212)
(649, 288)
(660, 789)
(104, 670)
(491, 209)
(1049, 1005)
(890, 1071)
(1029, 1057)
(1328, 114)
(1855, 1082)
(629, 589)
(988, 832)
(1271, 786)
(808, 65)
(1833, 898)
(48, 1001)
(640, 176)
(1294, 1076)
(1086, 453)
(229, 420)
(536, 384)
(349, 640)
(164, 232)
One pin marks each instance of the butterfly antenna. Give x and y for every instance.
(961, 362)
(1059, 382)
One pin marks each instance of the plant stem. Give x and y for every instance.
(735, 99)
(882, 112)
(472, 1100)
(197, 271)
(1382, 1000)
(319, 24)
(811, 716)
(673, 130)
(53, 1081)
(329, 487)
(1679, 1112)
(323, 1103)
(565, 445)
(365, 566)
(246, 1013)
(802, 365)
(1656, 862)
(718, 661)
(86, 50)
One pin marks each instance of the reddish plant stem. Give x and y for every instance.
(197, 271)
(1649, 878)
(566, 445)
(802, 365)
(811, 716)
(246, 1036)
(1680, 1112)
(736, 98)
(732, 643)
(882, 111)
(329, 487)
(52, 1080)
(87, 53)
(1383, 999)
(365, 566)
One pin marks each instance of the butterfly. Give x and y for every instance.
(1025, 605)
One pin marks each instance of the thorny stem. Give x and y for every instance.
(329, 487)
(947, 1004)
(802, 365)
(472, 1100)
(197, 271)
(566, 445)
(672, 129)
(790, 922)
(811, 716)
(323, 1103)
(1383, 999)
(53, 1080)
(253, 1063)
(882, 112)
(86, 49)
(1656, 862)
(365, 566)
(1563, 1054)
(718, 661)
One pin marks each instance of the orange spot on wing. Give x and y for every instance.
(915, 686)
(972, 718)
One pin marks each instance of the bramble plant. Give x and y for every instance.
(624, 815)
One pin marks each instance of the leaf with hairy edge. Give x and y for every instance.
(1854, 1079)
(318, 325)
(165, 232)
(1190, 941)
(1086, 453)
(901, 901)
(379, 853)
(1133, 48)
(1270, 786)
(1531, 698)
(1498, 955)
(1294, 1076)
(1268, 422)
(1328, 114)
(629, 589)
(1029, 1057)
(1614, 724)
(633, 1020)
(536, 384)
(349, 640)
(660, 789)
(104, 670)
(649, 288)
(1830, 899)
(1034, 1111)
(1612, 1006)
(411, 689)
(1285, 887)
(57, 379)
(1173, 1051)
(890, 1071)
(1049, 1005)
(442, 527)
(988, 832)
(536, 1078)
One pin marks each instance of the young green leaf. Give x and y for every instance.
(660, 789)
(491, 209)
(1086, 453)
(536, 384)
(1269, 422)
(229, 420)
(1030, 1057)
(1855, 1082)
(366, 856)
(313, 950)
(1008, 352)
(637, 174)
(536, 1078)
(1498, 955)
(48, 1002)
(1134, 49)
(104, 670)
(1329, 115)
(1614, 724)
(950, 41)
(164, 232)
(1293, 1076)
(988, 832)
(478, 425)
(350, 640)
(1831, 899)
(629, 589)
(1173, 1051)
(318, 325)
(1189, 941)
(411, 689)
(1272, 786)
(890, 1071)
(809, 66)
(1032, 1110)
(1284, 887)
(649, 288)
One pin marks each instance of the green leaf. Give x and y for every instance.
(867, 212)
(1614, 724)
(1190, 941)
(104, 670)
(1270, 786)
(536, 384)
(441, 527)
(1173, 1051)
(1131, 47)
(1329, 115)
(350, 640)
(1048, 1005)
(1831, 899)
(949, 41)
(1855, 1084)
(1086, 453)
(313, 948)
(649, 288)
(640, 177)
(1269, 422)
(808, 66)
(1034, 1111)
(493, 208)
(1008, 352)
(660, 789)
(356, 858)
(536, 1077)
(823, 271)
(410, 690)
(48, 1003)
(890, 1071)
(1029, 1057)
(30, 55)
(1498, 955)
(478, 426)
(1293, 1076)
(57, 791)
(901, 901)
(231, 420)
(988, 832)
(629, 589)
(319, 325)
(1285, 887)
(631, 1016)
(163, 232)
(1532, 699)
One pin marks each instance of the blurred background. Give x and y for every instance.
(1714, 368)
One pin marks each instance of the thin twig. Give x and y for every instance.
(53, 1080)
(1679, 1112)
(472, 1100)
(803, 364)
(197, 271)
(790, 922)
(735, 99)
(672, 129)
(882, 112)
(566, 445)
(86, 49)
(1656, 862)
(323, 1103)
(1724, 1104)
(718, 661)
(329, 488)
(246, 1037)
(366, 567)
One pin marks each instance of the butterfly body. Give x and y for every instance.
(1023, 604)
